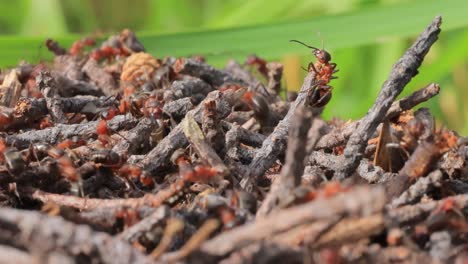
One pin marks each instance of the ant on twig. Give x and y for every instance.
(324, 70)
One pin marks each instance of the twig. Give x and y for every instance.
(28, 110)
(173, 226)
(275, 72)
(414, 99)
(98, 75)
(240, 135)
(158, 217)
(204, 71)
(149, 199)
(68, 87)
(203, 233)
(266, 252)
(43, 234)
(177, 109)
(417, 165)
(361, 199)
(8, 254)
(339, 136)
(293, 168)
(351, 230)
(136, 138)
(10, 89)
(157, 160)
(275, 144)
(422, 186)
(49, 89)
(59, 132)
(401, 74)
(196, 138)
(410, 214)
(239, 72)
(367, 171)
(187, 88)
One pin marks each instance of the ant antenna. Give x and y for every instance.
(293, 40)
(321, 39)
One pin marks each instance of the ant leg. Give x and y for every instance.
(323, 100)
(312, 66)
(326, 87)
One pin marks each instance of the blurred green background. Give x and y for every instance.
(365, 37)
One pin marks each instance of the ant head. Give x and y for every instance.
(322, 55)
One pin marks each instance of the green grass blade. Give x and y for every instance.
(45, 17)
(271, 41)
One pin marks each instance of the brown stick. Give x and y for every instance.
(98, 75)
(49, 89)
(275, 143)
(339, 136)
(196, 138)
(402, 72)
(414, 99)
(8, 254)
(156, 218)
(53, 135)
(157, 160)
(409, 214)
(194, 242)
(44, 235)
(205, 72)
(293, 168)
(136, 138)
(417, 165)
(10, 90)
(419, 188)
(153, 200)
(355, 201)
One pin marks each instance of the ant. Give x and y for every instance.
(259, 63)
(134, 172)
(107, 52)
(5, 120)
(74, 142)
(324, 70)
(12, 159)
(102, 129)
(78, 46)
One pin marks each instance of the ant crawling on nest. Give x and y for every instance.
(324, 70)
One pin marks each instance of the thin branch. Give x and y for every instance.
(402, 72)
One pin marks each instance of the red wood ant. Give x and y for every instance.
(107, 52)
(78, 46)
(323, 68)
(71, 143)
(109, 113)
(135, 172)
(45, 123)
(259, 63)
(324, 71)
(103, 132)
(3, 147)
(5, 120)
(129, 216)
(66, 165)
(11, 158)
